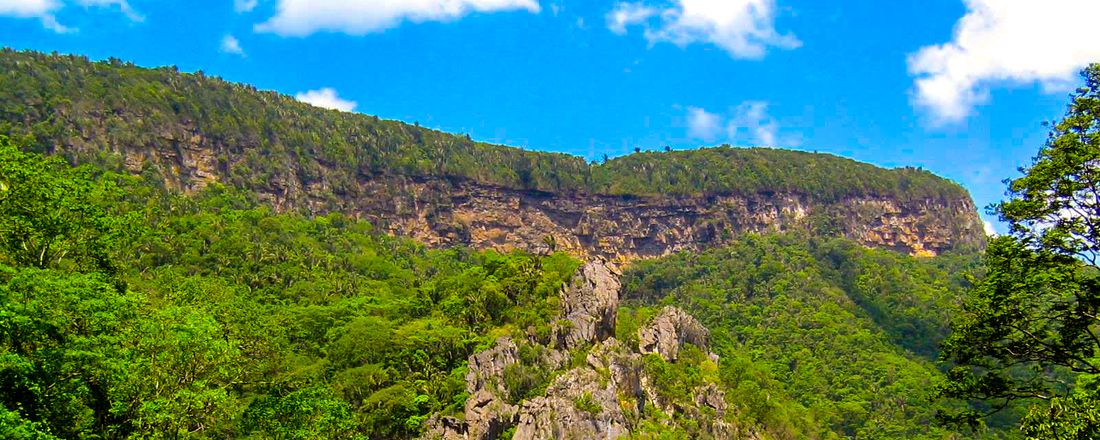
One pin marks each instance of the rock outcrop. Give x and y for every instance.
(670, 329)
(486, 369)
(442, 212)
(576, 406)
(590, 306)
(608, 395)
(193, 131)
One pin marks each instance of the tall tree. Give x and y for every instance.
(1030, 330)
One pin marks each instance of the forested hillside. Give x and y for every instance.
(130, 311)
(54, 102)
(822, 334)
(187, 131)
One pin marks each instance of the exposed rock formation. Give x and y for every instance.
(487, 368)
(606, 397)
(192, 131)
(576, 406)
(442, 212)
(669, 331)
(589, 306)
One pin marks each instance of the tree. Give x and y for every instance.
(48, 213)
(1029, 331)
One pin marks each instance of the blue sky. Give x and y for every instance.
(958, 87)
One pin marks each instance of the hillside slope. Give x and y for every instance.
(192, 130)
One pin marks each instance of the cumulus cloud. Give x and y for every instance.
(326, 98)
(358, 17)
(743, 28)
(1002, 42)
(748, 122)
(230, 44)
(46, 10)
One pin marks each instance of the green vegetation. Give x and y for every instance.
(91, 112)
(1029, 333)
(203, 317)
(588, 404)
(130, 311)
(817, 338)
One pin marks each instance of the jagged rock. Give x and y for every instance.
(487, 415)
(624, 367)
(589, 306)
(603, 399)
(579, 404)
(713, 399)
(486, 369)
(709, 396)
(668, 332)
(444, 428)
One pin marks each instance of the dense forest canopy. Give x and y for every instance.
(821, 337)
(128, 310)
(67, 104)
(155, 314)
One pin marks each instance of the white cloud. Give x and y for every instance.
(989, 229)
(628, 14)
(749, 122)
(1005, 42)
(703, 124)
(743, 28)
(230, 44)
(46, 10)
(358, 17)
(40, 9)
(27, 8)
(752, 118)
(245, 5)
(326, 98)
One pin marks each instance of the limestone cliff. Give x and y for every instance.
(192, 130)
(442, 211)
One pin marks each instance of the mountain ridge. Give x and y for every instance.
(191, 130)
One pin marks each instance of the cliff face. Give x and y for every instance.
(190, 130)
(441, 211)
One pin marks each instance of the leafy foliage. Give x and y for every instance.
(220, 320)
(1029, 330)
(818, 338)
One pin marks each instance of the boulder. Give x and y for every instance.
(487, 414)
(668, 332)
